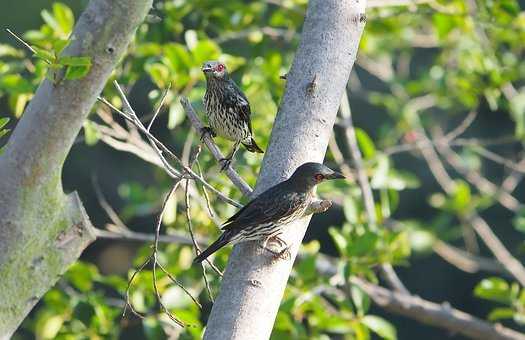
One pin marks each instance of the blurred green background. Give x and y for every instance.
(420, 66)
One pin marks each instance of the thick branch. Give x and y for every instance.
(42, 230)
(439, 315)
(252, 287)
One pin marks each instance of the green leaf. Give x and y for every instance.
(74, 61)
(206, 50)
(153, 329)
(64, 17)
(363, 244)
(82, 275)
(443, 24)
(176, 114)
(494, 289)
(170, 214)
(91, 134)
(365, 143)
(517, 111)
(3, 122)
(4, 132)
(380, 326)
(360, 330)
(48, 325)
(360, 299)
(421, 240)
(519, 223)
(461, 197)
(43, 54)
(501, 313)
(77, 72)
(350, 210)
(59, 45)
(339, 239)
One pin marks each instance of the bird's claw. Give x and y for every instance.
(226, 162)
(283, 253)
(207, 131)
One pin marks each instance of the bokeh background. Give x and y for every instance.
(423, 64)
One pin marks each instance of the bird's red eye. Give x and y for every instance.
(220, 67)
(319, 177)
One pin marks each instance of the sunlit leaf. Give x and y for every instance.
(380, 326)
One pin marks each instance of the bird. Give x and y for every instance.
(228, 110)
(264, 217)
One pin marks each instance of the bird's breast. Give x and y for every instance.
(224, 118)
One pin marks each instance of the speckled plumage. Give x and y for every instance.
(265, 216)
(227, 107)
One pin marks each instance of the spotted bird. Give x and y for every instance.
(228, 110)
(264, 217)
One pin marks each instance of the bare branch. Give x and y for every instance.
(498, 159)
(113, 216)
(439, 315)
(141, 237)
(466, 261)
(159, 106)
(162, 148)
(480, 226)
(474, 177)
(497, 248)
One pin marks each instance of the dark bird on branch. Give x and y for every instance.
(264, 217)
(228, 110)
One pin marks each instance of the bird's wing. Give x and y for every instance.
(236, 99)
(272, 206)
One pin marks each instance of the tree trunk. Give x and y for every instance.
(252, 288)
(43, 230)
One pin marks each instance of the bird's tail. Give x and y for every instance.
(252, 146)
(223, 240)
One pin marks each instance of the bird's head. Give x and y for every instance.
(310, 174)
(214, 69)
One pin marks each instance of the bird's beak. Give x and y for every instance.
(335, 175)
(207, 69)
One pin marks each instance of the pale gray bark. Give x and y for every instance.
(42, 230)
(252, 287)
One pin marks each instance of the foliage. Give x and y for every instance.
(418, 71)
(497, 290)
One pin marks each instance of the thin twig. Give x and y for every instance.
(461, 128)
(498, 159)
(480, 226)
(484, 185)
(172, 172)
(206, 195)
(141, 237)
(159, 106)
(195, 245)
(460, 142)
(466, 261)
(113, 216)
(193, 159)
(130, 282)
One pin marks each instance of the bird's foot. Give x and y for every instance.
(207, 131)
(281, 250)
(225, 163)
(283, 254)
